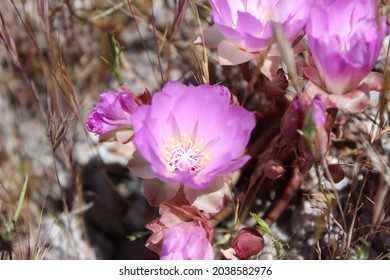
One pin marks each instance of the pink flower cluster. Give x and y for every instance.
(243, 29)
(190, 139)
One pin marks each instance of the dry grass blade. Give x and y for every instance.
(287, 54)
(181, 7)
(200, 57)
(20, 201)
(384, 97)
(131, 9)
(8, 42)
(383, 194)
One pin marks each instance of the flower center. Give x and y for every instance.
(185, 157)
(262, 14)
(344, 47)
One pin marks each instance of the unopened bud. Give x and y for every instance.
(336, 171)
(274, 169)
(247, 243)
(144, 98)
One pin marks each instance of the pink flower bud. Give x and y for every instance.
(274, 169)
(112, 112)
(247, 243)
(292, 121)
(336, 172)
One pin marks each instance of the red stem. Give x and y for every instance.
(289, 192)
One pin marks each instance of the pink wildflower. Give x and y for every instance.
(186, 241)
(112, 112)
(170, 216)
(243, 29)
(191, 134)
(345, 38)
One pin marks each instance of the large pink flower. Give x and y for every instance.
(345, 38)
(191, 134)
(243, 29)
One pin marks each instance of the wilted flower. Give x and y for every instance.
(247, 243)
(243, 29)
(112, 112)
(191, 134)
(186, 241)
(345, 38)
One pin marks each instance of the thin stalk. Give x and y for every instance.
(350, 232)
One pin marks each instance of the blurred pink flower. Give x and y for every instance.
(186, 241)
(172, 215)
(345, 38)
(191, 134)
(243, 29)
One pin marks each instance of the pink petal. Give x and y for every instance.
(124, 136)
(154, 241)
(108, 137)
(298, 45)
(230, 54)
(210, 199)
(172, 215)
(157, 192)
(373, 81)
(270, 67)
(211, 36)
(312, 74)
(186, 241)
(229, 254)
(354, 102)
(140, 167)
